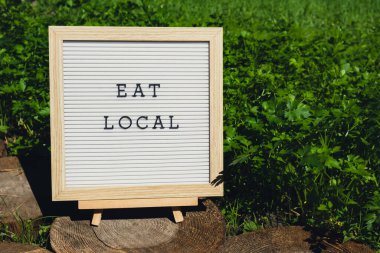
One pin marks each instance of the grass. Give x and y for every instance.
(27, 231)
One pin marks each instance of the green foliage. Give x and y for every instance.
(301, 125)
(231, 214)
(24, 97)
(236, 223)
(302, 111)
(35, 232)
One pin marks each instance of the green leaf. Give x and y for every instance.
(301, 112)
(240, 159)
(345, 68)
(3, 129)
(332, 163)
(19, 48)
(22, 85)
(44, 112)
(322, 207)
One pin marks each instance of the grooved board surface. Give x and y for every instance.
(100, 81)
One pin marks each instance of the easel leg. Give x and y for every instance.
(177, 213)
(97, 217)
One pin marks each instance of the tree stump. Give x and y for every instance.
(3, 149)
(202, 230)
(16, 196)
(287, 240)
(12, 247)
(282, 239)
(132, 233)
(346, 247)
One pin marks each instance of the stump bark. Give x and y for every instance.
(16, 197)
(347, 247)
(202, 230)
(287, 240)
(271, 240)
(11, 247)
(3, 149)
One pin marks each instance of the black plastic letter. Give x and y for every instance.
(125, 117)
(137, 122)
(105, 124)
(154, 85)
(121, 90)
(171, 123)
(139, 90)
(158, 122)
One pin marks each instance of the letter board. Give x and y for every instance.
(135, 112)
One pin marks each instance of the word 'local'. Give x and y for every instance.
(125, 122)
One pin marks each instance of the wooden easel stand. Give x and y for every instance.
(99, 205)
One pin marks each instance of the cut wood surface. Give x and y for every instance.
(16, 196)
(68, 236)
(282, 239)
(347, 247)
(202, 231)
(288, 239)
(136, 233)
(11, 247)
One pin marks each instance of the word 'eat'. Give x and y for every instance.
(121, 93)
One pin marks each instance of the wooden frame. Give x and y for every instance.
(59, 34)
(136, 203)
(99, 205)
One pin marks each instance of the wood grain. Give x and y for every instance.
(96, 217)
(202, 231)
(136, 233)
(177, 214)
(136, 203)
